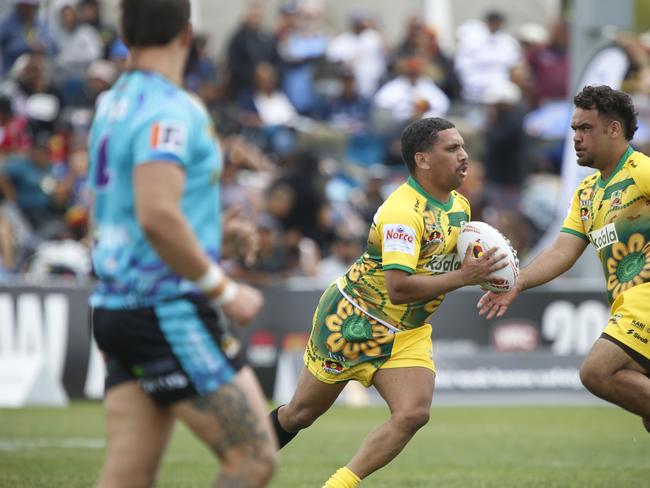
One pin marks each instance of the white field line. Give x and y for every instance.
(45, 443)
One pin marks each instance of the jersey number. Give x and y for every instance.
(102, 178)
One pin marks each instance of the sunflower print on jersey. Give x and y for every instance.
(614, 215)
(435, 227)
(629, 264)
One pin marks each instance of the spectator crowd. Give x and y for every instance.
(309, 122)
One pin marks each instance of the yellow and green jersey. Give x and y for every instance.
(416, 233)
(614, 215)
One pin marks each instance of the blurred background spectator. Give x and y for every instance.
(22, 32)
(250, 45)
(308, 115)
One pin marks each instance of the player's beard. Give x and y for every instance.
(586, 160)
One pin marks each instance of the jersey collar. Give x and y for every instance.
(603, 183)
(446, 206)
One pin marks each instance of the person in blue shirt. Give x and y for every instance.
(21, 32)
(34, 185)
(153, 173)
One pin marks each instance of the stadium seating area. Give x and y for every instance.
(309, 123)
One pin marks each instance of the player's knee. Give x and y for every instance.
(261, 470)
(298, 418)
(593, 378)
(255, 468)
(412, 420)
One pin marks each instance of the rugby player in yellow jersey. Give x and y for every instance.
(610, 209)
(369, 325)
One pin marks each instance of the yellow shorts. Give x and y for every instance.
(411, 348)
(629, 322)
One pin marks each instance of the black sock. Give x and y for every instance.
(284, 437)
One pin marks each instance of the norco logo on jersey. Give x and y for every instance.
(399, 238)
(443, 263)
(604, 237)
(398, 234)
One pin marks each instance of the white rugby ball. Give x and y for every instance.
(481, 237)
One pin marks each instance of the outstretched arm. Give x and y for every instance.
(407, 288)
(551, 263)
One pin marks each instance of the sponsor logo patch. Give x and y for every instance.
(435, 236)
(638, 325)
(399, 238)
(170, 382)
(168, 136)
(443, 263)
(585, 202)
(603, 237)
(614, 318)
(637, 336)
(332, 367)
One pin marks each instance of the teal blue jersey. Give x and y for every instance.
(145, 118)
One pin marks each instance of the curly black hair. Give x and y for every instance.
(611, 104)
(420, 136)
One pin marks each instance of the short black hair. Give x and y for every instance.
(420, 136)
(494, 16)
(610, 104)
(146, 23)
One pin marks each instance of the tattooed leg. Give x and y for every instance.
(239, 425)
(232, 421)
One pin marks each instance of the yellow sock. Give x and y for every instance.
(343, 478)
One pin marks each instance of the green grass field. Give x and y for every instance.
(461, 447)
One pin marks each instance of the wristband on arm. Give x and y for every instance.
(216, 285)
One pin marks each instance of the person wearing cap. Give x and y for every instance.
(21, 32)
(118, 53)
(162, 304)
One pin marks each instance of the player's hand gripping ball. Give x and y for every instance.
(481, 237)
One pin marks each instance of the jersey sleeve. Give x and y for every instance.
(639, 167)
(164, 135)
(573, 223)
(464, 204)
(400, 230)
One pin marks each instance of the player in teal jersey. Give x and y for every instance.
(154, 173)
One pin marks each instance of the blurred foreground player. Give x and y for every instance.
(154, 172)
(370, 323)
(610, 209)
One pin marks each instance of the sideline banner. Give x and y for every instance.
(538, 346)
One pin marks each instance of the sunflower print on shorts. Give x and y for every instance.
(433, 226)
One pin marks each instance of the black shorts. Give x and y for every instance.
(176, 350)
